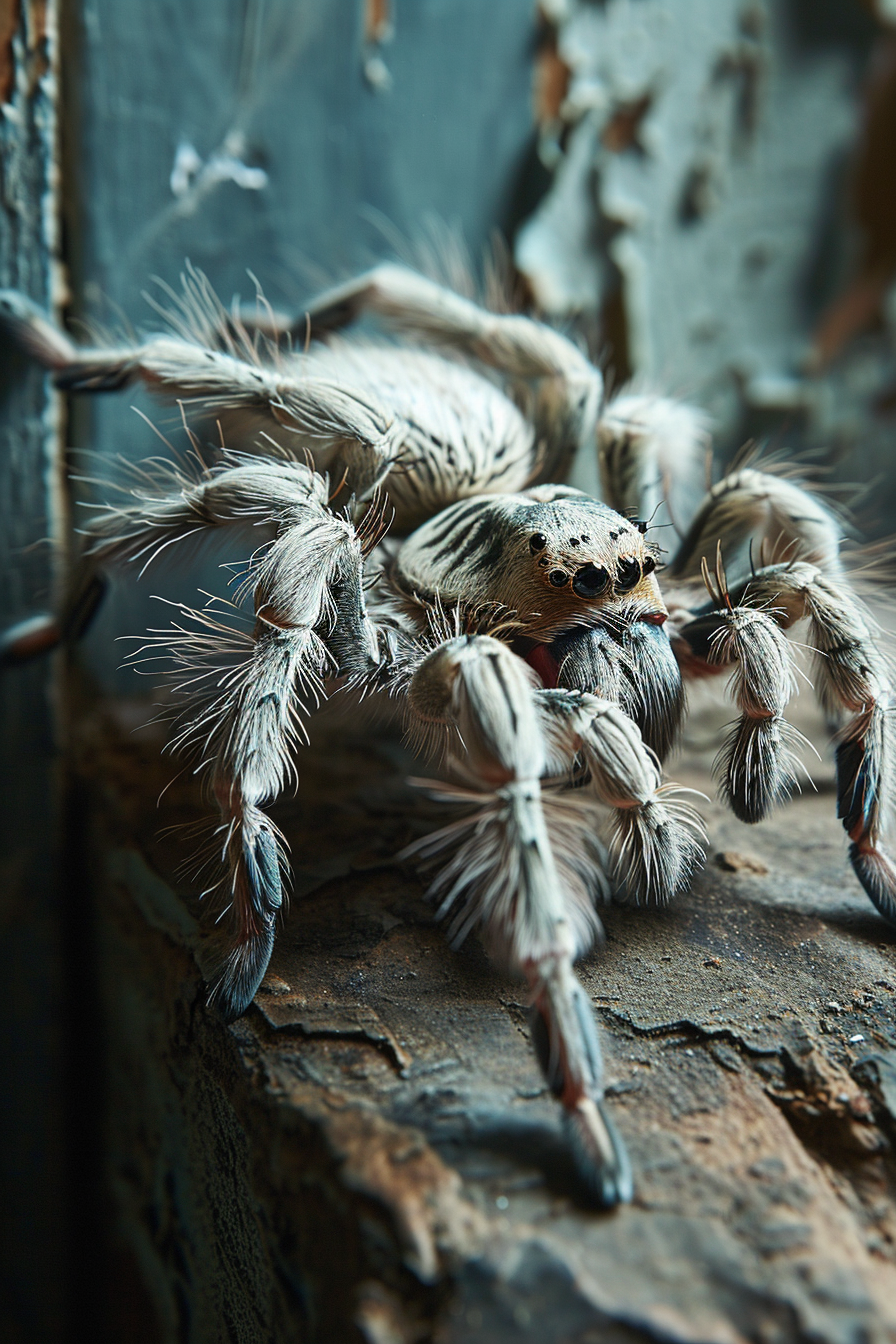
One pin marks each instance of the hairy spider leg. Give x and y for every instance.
(852, 677)
(40, 634)
(245, 700)
(750, 512)
(781, 519)
(525, 868)
(242, 694)
(655, 843)
(650, 448)
(164, 512)
(567, 387)
(756, 766)
(249, 390)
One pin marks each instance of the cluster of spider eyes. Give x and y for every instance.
(593, 580)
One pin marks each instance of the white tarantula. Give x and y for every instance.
(521, 620)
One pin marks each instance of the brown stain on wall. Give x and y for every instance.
(623, 130)
(38, 55)
(377, 20)
(10, 11)
(873, 202)
(35, 39)
(551, 76)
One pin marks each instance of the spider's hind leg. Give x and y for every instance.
(567, 387)
(742, 628)
(853, 678)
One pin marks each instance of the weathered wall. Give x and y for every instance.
(246, 136)
(718, 201)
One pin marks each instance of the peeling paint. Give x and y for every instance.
(377, 21)
(697, 154)
(551, 77)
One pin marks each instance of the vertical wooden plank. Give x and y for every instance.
(31, 1138)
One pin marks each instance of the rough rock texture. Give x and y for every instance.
(370, 1154)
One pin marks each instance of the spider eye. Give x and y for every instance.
(590, 581)
(537, 542)
(558, 578)
(649, 565)
(628, 574)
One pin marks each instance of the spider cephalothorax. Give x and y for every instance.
(552, 556)
(520, 621)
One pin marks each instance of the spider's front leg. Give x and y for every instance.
(532, 898)
(243, 694)
(655, 837)
(166, 511)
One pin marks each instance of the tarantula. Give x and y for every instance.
(520, 620)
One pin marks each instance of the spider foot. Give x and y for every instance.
(853, 678)
(601, 1160)
(30, 638)
(864, 794)
(656, 848)
(237, 982)
(757, 768)
(258, 894)
(566, 1043)
(40, 634)
(877, 873)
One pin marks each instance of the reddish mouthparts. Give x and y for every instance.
(545, 664)
(654, 617)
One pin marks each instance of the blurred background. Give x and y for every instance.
(704, 189)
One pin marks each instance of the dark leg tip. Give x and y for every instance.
(601, 1159)
(243, 971)
(874, 869)
(31, 638)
